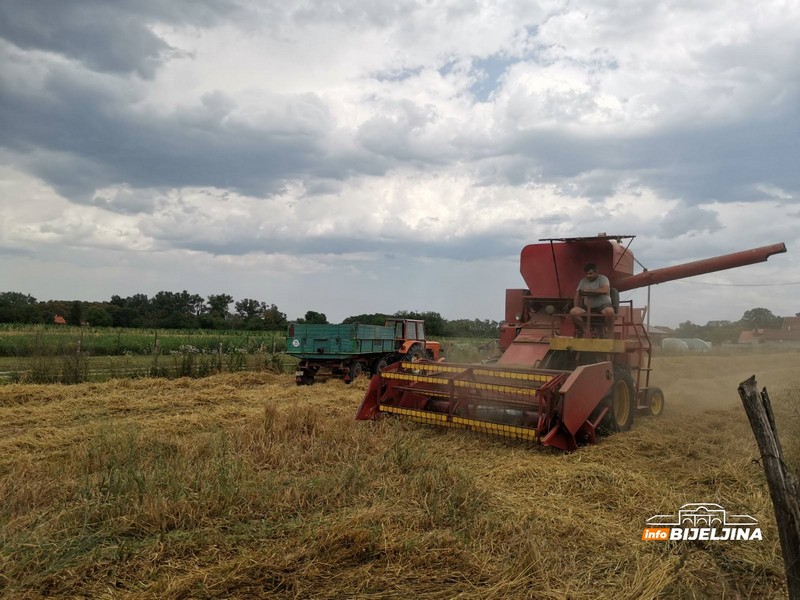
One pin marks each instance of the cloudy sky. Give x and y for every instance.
(378, 155)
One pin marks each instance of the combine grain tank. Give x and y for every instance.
(550, 385)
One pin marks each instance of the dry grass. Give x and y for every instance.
(248, 486)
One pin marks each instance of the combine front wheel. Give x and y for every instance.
(655, 400)
(620, 401)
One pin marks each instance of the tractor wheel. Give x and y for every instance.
(377, 366)
(355, 371)
(655, 400)
(416, 353)
(621, 402)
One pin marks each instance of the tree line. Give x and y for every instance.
(182, 310)
(718, 332)
(164, 310)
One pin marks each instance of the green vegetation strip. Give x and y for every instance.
(97, 341)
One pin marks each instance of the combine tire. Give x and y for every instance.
(655, 400)
(621, 402)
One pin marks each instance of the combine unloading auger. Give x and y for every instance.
(548, 386)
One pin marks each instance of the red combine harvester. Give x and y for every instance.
(549, 385)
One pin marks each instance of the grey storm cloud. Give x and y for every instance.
(81, 127)
(690, 220)
(487, 245)
(80, 136)
(126, 201)
(727, 163)
(113, 37)
(722, 163)
(381, 13)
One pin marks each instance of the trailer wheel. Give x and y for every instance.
(621, 403)
(307, 378)
(655, 400)
(355, 370)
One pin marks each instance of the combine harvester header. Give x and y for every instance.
(550, 385)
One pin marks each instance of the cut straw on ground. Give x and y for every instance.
(247, 486)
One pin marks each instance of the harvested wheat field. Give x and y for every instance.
(247, 486)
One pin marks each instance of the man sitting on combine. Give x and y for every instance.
(594, 291)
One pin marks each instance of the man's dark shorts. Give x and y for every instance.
(599, 308)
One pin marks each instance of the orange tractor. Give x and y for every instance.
(550, 385)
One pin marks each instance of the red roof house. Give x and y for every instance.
(59, 320)
(789, 332)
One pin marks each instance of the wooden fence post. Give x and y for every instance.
(783, 486)
(156, 353)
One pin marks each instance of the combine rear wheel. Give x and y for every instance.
(655, 400)
(621, 403)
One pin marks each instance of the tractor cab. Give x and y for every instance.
(407, 329)
(409, 339)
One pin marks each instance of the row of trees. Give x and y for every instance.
(169, 310)
(182, 310)
(718, 332)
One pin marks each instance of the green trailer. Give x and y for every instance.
(346, 351)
